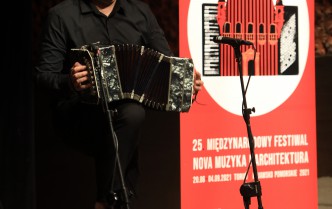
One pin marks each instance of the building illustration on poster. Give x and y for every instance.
(272, 28)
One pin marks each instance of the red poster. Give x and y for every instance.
(278, 71)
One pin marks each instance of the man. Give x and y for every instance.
(72, 24)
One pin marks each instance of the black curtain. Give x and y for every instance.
(16, 120)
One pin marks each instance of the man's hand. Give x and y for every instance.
(79, 77)
(198, 83)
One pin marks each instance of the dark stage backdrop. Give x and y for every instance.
(17, 185)
(65, 177)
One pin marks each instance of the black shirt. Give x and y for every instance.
(74, 23)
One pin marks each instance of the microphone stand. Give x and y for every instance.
(112, 198)
(251, 189)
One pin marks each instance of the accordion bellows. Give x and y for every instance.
(135, 72)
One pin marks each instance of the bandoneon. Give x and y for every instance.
(135, 72)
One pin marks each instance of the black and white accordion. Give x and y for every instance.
(135, 72)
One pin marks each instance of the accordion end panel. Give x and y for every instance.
(181, 84)
(110, 74)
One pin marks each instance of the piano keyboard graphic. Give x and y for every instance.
(211, 50)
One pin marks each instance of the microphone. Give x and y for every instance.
(230, 41)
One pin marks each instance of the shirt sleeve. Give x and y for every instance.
(50, 72)
(156, 38)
